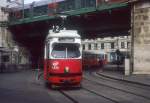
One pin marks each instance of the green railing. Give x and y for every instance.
(70, 7)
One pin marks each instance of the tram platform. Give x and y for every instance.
(140, 79)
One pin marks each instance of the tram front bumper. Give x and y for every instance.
(63, 80)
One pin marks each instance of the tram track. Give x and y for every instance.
(91, 91)
(117, 89)
(97, 90)
(121, 85)
(121, 80)
(92, 79)
(72, 100)
(79, 99)
(68, 96)
(117, 96)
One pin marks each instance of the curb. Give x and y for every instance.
(123, 79)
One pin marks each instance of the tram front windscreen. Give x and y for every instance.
(65, 50)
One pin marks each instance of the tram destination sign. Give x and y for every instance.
(66, 39)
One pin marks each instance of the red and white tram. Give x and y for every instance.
(94, 59)
(62, 58)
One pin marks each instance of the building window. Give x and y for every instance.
(122, 45)
(102, 45)
(95, 46)
(128, 45)
(89, 47)
(112, 45)
(122, 37)
(83, 46)
(112, 37)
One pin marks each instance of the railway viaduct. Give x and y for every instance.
(92, 19)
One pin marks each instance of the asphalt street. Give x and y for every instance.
(24, 87)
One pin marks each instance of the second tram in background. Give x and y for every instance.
(63, 58)
(94, 59)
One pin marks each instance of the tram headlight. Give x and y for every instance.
(66, 70)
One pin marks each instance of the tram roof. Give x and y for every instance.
(64, 33)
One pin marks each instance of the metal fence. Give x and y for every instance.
(40, 9)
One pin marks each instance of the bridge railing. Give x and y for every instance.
(65, 6)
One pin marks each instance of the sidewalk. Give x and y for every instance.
(119, 75)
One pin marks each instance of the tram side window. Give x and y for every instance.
(64, 50)
(90, 56)
(101, 56)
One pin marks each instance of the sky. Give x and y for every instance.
(29, 1)
(4, 3)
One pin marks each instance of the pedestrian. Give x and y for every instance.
(118, 58)
(2, 67)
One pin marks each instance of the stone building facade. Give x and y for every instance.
(7, 44)
(141, 37)
(109, 45)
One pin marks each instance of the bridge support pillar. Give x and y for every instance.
(140, 23)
